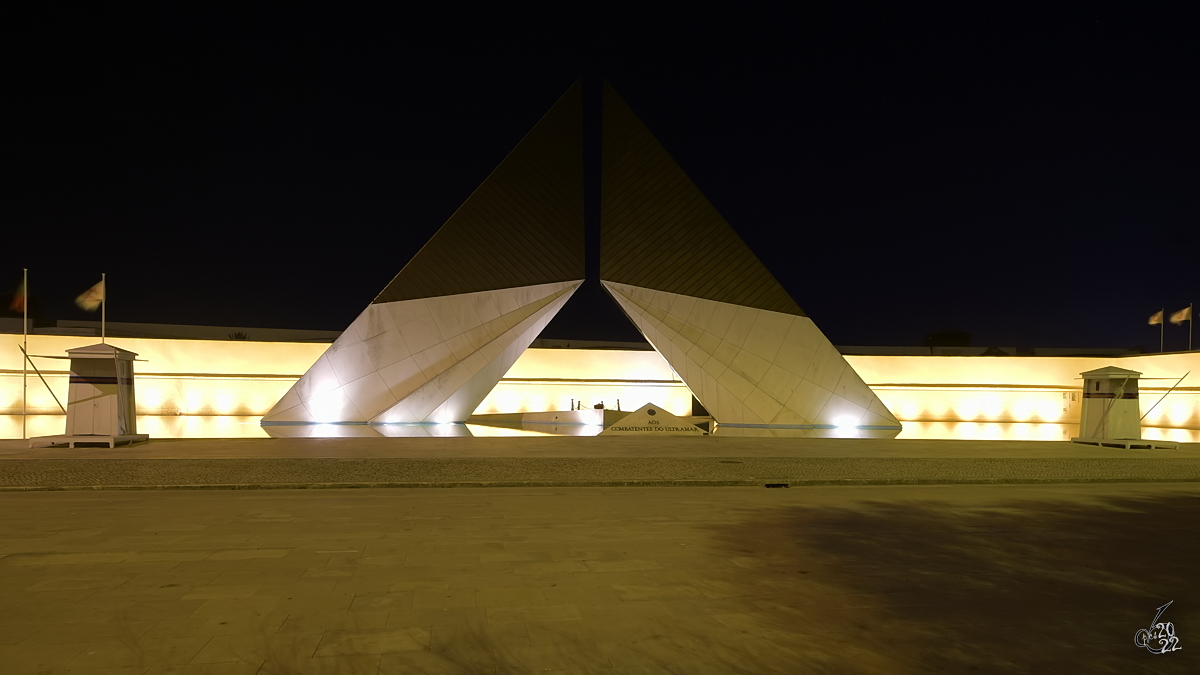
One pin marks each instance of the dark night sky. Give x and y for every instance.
(1028, 178)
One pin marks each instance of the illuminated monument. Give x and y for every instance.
(432, 345)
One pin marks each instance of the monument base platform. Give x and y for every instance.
(71, 441)
(590, 416)
(1127, 443)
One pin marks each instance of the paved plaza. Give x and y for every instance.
(573, 461)
(818, 579)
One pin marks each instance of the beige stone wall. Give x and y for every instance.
(174, 377)
(1024, 388)
(225, 377)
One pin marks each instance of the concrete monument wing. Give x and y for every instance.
(523, 226)
(659, 231)
(707, 304)
(440, 336)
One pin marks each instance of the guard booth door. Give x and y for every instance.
(93, 398)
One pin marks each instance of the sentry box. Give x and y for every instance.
(100, 401)
(1111, 413)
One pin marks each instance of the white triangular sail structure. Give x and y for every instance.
(753, 366)
(423, 360)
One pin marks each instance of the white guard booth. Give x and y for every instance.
(1111, 413)
(100, 401)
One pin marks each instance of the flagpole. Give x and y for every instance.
(25, 349)
(1162, 327)
(104, 304)
(1191, 323)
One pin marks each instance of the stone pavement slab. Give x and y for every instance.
(583, 446)
(581, 462)
(851, 579)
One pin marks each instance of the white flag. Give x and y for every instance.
(92, 297)
(1156, 317)
(1182, 315)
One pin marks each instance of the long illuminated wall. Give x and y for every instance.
(228, 378)
(174, 377)
(1024, 388)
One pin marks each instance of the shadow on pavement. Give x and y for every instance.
(1015, 587)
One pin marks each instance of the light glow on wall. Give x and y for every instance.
(1176, 435)
(989, 431)
(174, 377)
(974, 404)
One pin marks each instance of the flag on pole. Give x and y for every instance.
(1182, 315)
(1156, 318)
(18, 301)
(92, 297)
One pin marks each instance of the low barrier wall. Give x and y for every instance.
(245, 378)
